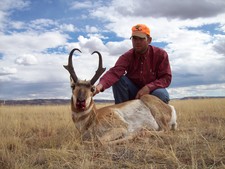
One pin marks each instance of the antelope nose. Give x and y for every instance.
(80, 104)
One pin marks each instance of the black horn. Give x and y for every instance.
(69, 67)
(100, 69)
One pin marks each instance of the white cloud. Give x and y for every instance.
(7, 7)
(85, 4)
(28, 42)
(7, 71)
(81, 5)
(41, 24)
(91, 44)
(118, 48)
(162, 8)
(68, 28)
(17, 25)
(11, 4)
(91, 29)
(198, 90)
(26, 59)
(219, 44)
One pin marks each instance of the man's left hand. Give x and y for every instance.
(144, 90)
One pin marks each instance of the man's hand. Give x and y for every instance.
(98, 88)
(144, 90)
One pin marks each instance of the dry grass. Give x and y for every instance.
(36, 137)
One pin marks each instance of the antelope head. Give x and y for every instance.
(82, 90)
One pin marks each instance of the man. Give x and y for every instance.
(144, 69)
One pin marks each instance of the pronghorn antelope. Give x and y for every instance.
(115, 123)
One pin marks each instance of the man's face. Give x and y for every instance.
(140, 45)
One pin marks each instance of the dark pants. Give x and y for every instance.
(125, 90)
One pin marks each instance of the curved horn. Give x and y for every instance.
(100, 69)
(69, 67)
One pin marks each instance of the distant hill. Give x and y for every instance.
(43, 102)
(200, 97)
(67, 101)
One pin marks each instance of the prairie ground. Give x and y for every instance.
(42, 137)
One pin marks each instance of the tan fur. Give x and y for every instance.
(160, 110)
(108, 126)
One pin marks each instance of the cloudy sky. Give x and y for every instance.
(36, 37)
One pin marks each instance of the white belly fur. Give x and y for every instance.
(137, 115)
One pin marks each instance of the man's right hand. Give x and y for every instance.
(98, 88)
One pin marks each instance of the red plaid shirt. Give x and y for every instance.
(151, 68)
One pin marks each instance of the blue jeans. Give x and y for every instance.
(125, 90)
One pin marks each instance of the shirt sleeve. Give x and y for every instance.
(164, 74)
(114, 73)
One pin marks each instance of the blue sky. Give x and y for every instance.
(36, 37)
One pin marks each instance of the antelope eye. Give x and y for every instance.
(93, 89)
(72, 87)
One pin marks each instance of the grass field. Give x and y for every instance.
(42, 137)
